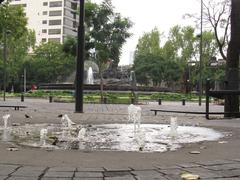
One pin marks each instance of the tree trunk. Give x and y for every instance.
(232, 69)
(101, 85)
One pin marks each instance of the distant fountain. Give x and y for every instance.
(67, 122)
(5, 120)
(43, 137)
(67, 125)
(6, 136)
(90, 78)
(134, 115)
(173, 127)
(82, 133)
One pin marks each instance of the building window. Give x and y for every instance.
(45, 3)
(55, 13)
(44, 31)
(55, 4)
(54, 31)
(44, 40)
(44, 12)
(54, 39)
(44, 22)
(74, 6)
(55, 22)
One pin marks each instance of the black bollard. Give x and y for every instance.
(22, 98)
(183, 102)
(159, 101)
(50, 99)
(105, 100)
(132, 101)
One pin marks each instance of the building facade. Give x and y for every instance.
(52, 20)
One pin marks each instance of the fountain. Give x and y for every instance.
(90, 78)
(173, 127)
(5, 120)
(67, 122)
(43, 137)
(6, 136)
(109, 137)
(134, 115)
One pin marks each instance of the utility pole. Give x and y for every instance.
(80, 61)
(200, 61)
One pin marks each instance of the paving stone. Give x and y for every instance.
(3, 177)
(204, 173)
(238, 160)
(151, 178)
(32, 168)
(62, 169)
(142, 168)
(56, 178)
(188, 165)
(222, 178)
(55, 174)
(216, 162)
(120, 178)
(90, 169)
(167, 167)
(173, 177)
(117, 168)
(116, 173)
(27, 173)
(7, 169)
(172, 171)
(87, 178)
(89, 174)
(22, 178)
(150, 174)
(223, 167)
(230, 173)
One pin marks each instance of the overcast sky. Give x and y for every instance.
(146, 15)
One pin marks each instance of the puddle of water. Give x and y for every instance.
(110, 137)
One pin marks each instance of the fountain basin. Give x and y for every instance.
(111, 137)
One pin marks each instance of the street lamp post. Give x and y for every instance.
(200, 61)
(80, 61)
(4, 64)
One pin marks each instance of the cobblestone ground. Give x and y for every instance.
(211, 170)
(220, 161)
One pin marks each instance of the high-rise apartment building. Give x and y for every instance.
(52, 20)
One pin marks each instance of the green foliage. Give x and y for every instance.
(173, 96)
(49, 64)
(169, 63)
(150, 64)
(18, 41)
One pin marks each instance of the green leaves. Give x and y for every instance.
(50, 64)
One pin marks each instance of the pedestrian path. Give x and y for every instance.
(211, 170)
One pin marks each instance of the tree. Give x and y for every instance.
(217, 15)
(19, 39)
(106, 32)
(181, 47)
(49, 63)
(232, 70)
(155, 63)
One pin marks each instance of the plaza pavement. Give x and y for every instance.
(217, 160)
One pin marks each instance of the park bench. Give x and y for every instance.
(221, 94)
(173, 111)
(16, 107)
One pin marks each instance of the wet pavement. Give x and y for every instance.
(216, 160)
